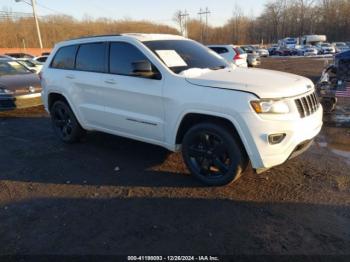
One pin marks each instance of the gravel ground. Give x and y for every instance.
(109, 195)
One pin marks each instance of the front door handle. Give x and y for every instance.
(110, 81)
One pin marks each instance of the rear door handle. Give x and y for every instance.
(110, 81)
(70, 76)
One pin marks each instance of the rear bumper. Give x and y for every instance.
(16, 102)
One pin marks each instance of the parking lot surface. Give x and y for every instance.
(109, 195)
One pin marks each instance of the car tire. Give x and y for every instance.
(213, 155)
(65, 124)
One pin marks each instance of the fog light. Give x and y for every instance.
(276, 138)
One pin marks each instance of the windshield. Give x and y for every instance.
(181, 55)
(12, 68)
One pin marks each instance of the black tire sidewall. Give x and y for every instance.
(77, 131)
(234, 150)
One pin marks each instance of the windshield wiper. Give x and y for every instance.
(217, 67)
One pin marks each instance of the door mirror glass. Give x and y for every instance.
(143, 68)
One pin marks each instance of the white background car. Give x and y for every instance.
(231, 53)
(174, 92)
(308, 50)
(41, 59)
(326, 48)
(340, 47)
(30, 64)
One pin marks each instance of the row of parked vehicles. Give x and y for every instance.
(309, 50)
(241, 56)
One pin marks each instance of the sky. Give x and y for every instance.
(160, 11)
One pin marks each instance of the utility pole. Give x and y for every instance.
(37, 23)
(205, 12)
(183, 23)
(33, 4)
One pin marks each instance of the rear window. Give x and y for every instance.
(91, 57)
(240, 50)
(65, 57)
(219, 50)
(42, 59)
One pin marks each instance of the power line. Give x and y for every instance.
(205, 12)
(49, 8)
(184, 22)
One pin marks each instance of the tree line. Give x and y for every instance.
(279, 19)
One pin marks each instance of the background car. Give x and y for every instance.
(41, 59)
(20, 55)
(326, 48)
(253, 58)
(284, 51)
(272, 50)
(307, 50)
(340, 47)
(19, 87)
(232, 54)
(261, 51)
(6, 56)
(31, 64)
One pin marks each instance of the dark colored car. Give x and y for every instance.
(282, 51)
(342, 64)
(272, 50)
(19, 55)
(19, 86)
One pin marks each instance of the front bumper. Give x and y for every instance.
(299, 136)
(9, 102)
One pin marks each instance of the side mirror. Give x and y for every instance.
(144, 68)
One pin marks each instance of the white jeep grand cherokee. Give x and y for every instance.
(174, 92)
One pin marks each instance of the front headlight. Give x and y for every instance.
(270, 106)
(4, 91)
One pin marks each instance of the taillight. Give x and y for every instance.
(238, 55)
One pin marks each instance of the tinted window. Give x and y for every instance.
(240, 50)
(65, 57)
(91, 57)
(12, 68)
(219, 50)
(42, 59)
(122, 55)
(193, 54)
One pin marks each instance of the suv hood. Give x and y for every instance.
(261, 82)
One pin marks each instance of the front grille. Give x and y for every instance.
(307, 105)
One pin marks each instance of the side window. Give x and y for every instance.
(65, 57)
(42, 59)
(219, 50)
(91, 57)
(122, 55)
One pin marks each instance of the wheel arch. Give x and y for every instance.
(58, 96)
(190, 119)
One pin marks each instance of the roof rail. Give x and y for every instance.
(92, 36)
